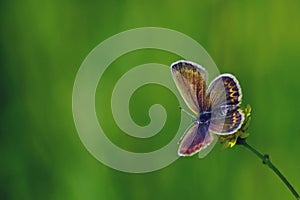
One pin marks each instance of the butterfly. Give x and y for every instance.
(217, 108)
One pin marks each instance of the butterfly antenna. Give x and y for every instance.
(186, 112)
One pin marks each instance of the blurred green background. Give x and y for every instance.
(43, 44)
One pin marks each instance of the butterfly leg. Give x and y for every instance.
(186, 112)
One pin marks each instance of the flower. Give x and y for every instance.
(240, 135)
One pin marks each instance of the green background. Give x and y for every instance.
(43, 44)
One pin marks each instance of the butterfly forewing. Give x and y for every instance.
(224, 97)
(190, 79)
(224, 90)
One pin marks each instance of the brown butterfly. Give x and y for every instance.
(217, 108)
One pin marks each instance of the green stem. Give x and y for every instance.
(266, 160)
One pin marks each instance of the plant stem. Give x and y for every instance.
(266, 160)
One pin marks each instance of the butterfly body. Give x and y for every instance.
(204, 117)
(217, 108)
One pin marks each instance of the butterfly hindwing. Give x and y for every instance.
(190, 79)
(228, 124)
(205, 151)
(224, 97)
(196, 139)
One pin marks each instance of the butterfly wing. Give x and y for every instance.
(190, 79)
(203, 152)
(196, 139)
(228, 124)
(223, 98)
